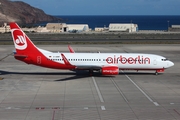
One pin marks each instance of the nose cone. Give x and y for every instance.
(170, 64)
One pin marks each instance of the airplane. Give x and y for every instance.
(105, 63)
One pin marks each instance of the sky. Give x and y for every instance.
(107, 7)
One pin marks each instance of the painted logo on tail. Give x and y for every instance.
(19, 39)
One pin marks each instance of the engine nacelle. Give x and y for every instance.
(110, 70)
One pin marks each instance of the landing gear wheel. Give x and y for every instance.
(90, 72)
(156, 73)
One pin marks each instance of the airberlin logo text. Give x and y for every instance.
(128, 60)
(19, 39)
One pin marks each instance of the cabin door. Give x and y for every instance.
(38, 59)
(155, 61)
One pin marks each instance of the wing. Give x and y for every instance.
(80, 67)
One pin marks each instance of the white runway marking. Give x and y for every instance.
(86, 108)
(117, 87)
(155, 103)
(97, 89)
(103, 108)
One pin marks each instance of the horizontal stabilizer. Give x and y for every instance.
(20, 56)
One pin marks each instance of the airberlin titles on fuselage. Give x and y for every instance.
(128, 60)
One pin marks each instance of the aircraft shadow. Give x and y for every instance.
(35, 73)
(76, 75)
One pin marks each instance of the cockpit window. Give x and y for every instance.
(164, 59)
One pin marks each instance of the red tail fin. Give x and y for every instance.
(22, 43)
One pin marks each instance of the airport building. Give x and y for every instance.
(74, 28)
(63, 27)
(118, 27)
(78, 27)
(5, 28)
(56, 27)
(174, 28)
(101, 29)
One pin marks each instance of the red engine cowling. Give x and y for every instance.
(110, 70)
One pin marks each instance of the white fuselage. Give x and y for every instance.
(121, 60)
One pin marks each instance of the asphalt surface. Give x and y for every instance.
(99, 41)
(102, 38)
(29, 92)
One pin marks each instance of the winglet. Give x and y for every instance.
(66, 60)
(71, 49)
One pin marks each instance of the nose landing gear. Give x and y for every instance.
(159, 71)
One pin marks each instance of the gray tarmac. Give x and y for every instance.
(29, 92)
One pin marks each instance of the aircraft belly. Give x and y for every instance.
(139, 66)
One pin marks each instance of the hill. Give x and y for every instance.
(22, 13)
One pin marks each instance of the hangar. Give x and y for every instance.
(63, 27)
(78, 27)
(5, 28)
(56, 27)
(119, 27)
(174, 28)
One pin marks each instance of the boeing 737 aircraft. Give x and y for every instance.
(106, 63)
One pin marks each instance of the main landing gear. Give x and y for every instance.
(156, 73)
(90, 72)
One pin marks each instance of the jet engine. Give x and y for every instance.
(110, 70)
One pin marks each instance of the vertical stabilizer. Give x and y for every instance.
(22, 43)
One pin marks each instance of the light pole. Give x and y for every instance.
(168, 25)
(131, 25)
